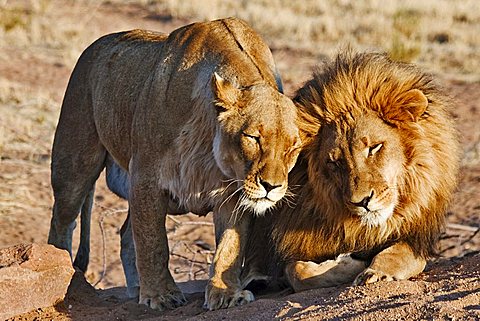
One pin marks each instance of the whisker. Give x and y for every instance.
(242, 208)
(293, 189)
(289, 200)
(289, 193)
(232, 181)
(230, 196)
(235, 209)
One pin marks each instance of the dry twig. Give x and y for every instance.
(107, 212)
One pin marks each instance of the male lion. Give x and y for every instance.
(374, 178)
(197, 120)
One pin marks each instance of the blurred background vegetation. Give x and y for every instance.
(442, 35)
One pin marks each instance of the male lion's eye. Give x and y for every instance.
(374, 149)
(254, 138)
(333, 161)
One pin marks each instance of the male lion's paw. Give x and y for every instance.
(216, 298)
(371, 276)
(164, 302)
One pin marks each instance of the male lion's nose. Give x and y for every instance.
(364, 203)
(268, 187)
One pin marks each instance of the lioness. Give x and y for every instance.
(374, 178)
(197, 120)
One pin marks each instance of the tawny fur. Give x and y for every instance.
(197, 120)
(321, 226)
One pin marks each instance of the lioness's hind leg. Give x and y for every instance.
(83, 254)
(118, 183)
(78, 157)
(72, 183)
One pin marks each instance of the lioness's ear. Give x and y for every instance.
(409, 106)
(224, 92)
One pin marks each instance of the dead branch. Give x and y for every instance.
(188, 259)
(463, 227)
(470, 237)
(180, 223)
(108, 212)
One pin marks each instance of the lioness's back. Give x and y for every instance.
(116, 75)
(144, 49)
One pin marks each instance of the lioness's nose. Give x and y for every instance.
(268, 187)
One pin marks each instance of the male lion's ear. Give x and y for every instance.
(224, 92)
(409, 106)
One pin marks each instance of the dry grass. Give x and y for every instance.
(441, 35)
(27, 120)
(38, 25)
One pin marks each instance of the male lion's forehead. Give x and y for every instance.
(364, 124)
(371, 126)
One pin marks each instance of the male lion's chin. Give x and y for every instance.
(259, 206)
(376, 218)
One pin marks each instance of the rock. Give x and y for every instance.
(32, 276)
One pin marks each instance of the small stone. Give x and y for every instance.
(32, 276)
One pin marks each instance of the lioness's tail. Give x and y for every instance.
(117, 182)
(83, 253)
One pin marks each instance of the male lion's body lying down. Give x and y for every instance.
(197, 120)
(374, 178)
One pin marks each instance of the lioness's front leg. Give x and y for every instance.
(397, 262)
(148, 207)
(224, 287)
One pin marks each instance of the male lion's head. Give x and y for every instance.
(379, 163)
(385, 141)
(257, 140)
(361, 164)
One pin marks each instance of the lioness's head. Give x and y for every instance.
(257, 140)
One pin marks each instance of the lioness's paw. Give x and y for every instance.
(372, 276)
(220, 299)
(167, 301)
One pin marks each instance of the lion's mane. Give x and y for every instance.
(354, 84)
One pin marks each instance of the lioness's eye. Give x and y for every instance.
(374, 149)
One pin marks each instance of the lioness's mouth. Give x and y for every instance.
(258, 205)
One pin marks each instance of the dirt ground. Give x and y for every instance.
(32, 83)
